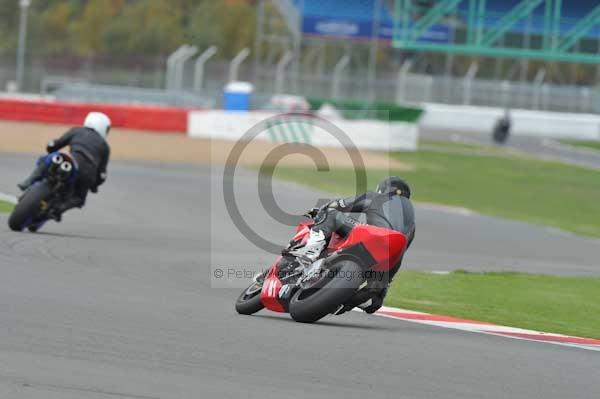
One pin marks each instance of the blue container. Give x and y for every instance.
(236, 96)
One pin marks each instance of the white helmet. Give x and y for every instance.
(98, 122)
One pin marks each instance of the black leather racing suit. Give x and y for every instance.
(91, 152)
(383, 210)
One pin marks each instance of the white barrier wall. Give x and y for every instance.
(471, 119)
(365, 134)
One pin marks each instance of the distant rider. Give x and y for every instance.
(90, 151)
(389, 207)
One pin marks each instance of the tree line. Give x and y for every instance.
(92, 28)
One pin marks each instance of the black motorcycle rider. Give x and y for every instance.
(90, 151)
(388, 207)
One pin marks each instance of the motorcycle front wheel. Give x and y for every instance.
(249, 301)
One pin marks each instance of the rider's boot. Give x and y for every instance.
(70, 203)
(374, 303)
(37, 174)
(313, 248)
(55, 215)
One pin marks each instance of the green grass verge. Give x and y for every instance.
(567, 305)
(486, 179)
(5, 207)
(595, 145)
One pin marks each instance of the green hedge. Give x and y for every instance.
(369, 110)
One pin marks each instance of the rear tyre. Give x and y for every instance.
(29, 206)
(311, 304)
(249, 301)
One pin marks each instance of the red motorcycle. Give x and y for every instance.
(345, 274)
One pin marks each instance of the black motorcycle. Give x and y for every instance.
(38, 203)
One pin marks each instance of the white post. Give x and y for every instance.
(199, 66)
(180, 65)
(337, 71)
(585, 99)
(24, 4)
(401, 81)
(428, 88)
(467, 82)
(537, 85)
(234, 65)
(171, 64)
(545, 95)
(505, 93)
(281, 65)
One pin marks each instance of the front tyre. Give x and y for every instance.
(249, 301)
(311, 304)
(29, 205)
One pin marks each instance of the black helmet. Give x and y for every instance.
(394, 184)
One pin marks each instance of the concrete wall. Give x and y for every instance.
(480, 120)
(152, 118)
(364, 134)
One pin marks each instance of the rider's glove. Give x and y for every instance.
(312, 213)
(51, 146)
(335, 204)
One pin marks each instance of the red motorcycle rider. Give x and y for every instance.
(389, 207)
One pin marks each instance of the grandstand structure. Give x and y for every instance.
(533, 54)
(479, 27)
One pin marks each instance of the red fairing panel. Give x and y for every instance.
(385, 246)
(269, 295)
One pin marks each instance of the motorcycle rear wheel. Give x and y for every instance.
(312, 304)
(28, 207)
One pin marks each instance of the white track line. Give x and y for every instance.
(8, 198)
(488, 328)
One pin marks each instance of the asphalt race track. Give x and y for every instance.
(118, 302)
